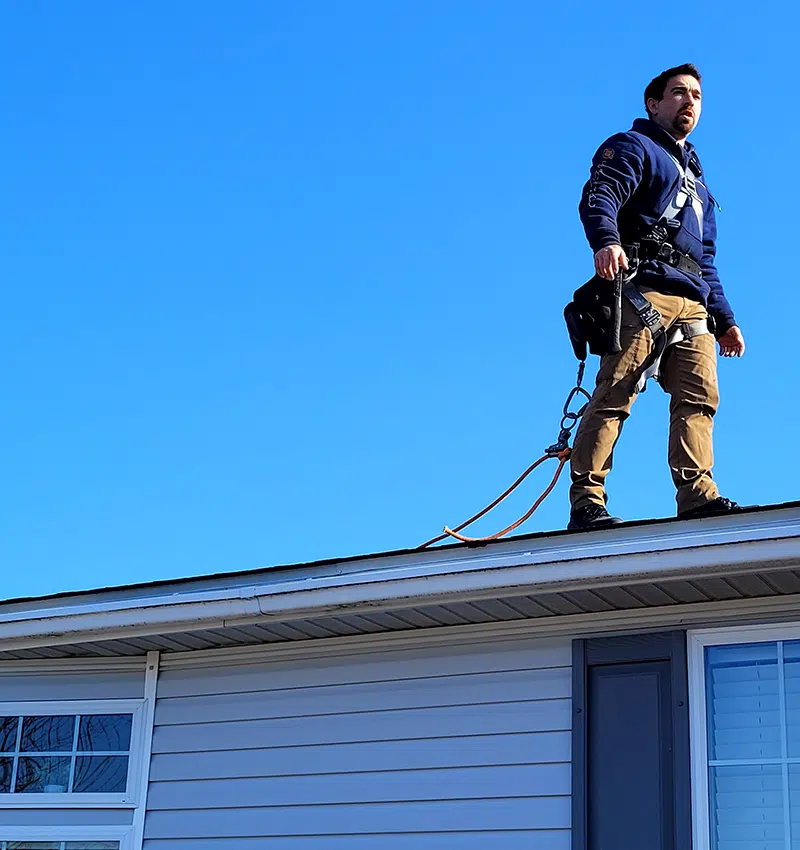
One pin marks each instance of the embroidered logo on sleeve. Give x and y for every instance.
(608, 153)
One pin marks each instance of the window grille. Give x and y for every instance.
(57, 754)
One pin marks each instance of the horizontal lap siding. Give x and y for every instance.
(509, 840)
(62, 817)
(50, 686)
(454, 747)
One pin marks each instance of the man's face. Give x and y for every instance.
(679, 110)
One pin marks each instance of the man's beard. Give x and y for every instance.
(683, 123)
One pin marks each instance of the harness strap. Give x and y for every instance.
(687, 192)
(677, 333)
(662, 338)
(640, 252)
(650, 317)
(690, 182)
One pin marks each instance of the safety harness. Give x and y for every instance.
(594, 316)
(662, 338)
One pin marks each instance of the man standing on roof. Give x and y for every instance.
(648, 177)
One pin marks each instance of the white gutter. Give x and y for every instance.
(613, 557)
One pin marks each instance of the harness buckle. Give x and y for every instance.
(651, 318)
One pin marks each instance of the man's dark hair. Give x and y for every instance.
(656, 87)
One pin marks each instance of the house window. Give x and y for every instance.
(64, 753)
(746, 739)
(74, 773)
(71, 754)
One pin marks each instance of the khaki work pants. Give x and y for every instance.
(689, 375)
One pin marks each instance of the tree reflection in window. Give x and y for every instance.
(47, 734)
(56, 754)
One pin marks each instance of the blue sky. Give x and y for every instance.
(284, 281)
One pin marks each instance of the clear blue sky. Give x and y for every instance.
(284, 280)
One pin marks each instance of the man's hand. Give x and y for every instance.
(607, 261)
(731, 343)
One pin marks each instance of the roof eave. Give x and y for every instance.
(595, 560)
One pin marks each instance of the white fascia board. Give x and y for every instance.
(746, 543)
(164, 600)
(487, 579)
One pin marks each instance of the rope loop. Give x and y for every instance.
(560, 450)
(562, 456)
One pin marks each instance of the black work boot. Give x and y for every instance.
(591, 516)
(715, 507)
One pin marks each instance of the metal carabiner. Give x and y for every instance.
(569, 418)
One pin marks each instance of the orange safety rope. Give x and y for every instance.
(559, 450)
(562, 456)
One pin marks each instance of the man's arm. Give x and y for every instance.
(617, 170)
(730, 338)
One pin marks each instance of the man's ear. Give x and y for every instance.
(651, 101)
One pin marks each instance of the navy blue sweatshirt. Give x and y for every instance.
(633, 179)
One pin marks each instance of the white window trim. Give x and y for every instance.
(123, 834)
(138, 757)
(697, 641)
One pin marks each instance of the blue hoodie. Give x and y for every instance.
(633, 178)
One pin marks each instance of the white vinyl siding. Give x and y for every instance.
(39, 687)
(64, 817)
(457, 746)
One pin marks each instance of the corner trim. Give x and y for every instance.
(150, 693)
(698, 737)
(580, 743)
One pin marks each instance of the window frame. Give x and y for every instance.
(86, 800)
(123, 834)
(697, 641)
